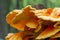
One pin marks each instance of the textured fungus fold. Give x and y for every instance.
(34, 24)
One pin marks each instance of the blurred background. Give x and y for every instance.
(9, 5)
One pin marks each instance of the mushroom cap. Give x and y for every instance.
(18, 18)
(49, 14)
(48, 32)
(15, 36)
(10, 17)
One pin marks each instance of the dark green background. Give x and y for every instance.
(9, 5)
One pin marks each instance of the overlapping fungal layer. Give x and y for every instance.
(34, 24)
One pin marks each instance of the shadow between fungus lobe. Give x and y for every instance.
(28, 35)
(53, 39)
(31, 35)
(44, 25)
